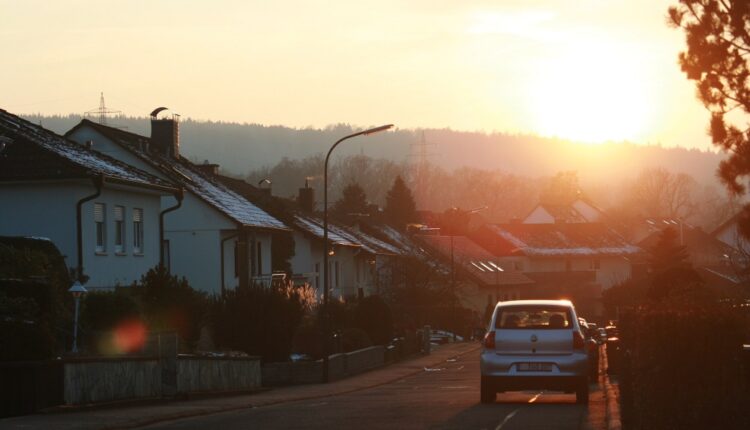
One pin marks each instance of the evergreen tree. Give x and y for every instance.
(400, 208)
(353, 201)
(717, 36)
(672, 275)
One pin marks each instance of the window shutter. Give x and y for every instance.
(98, 212)
(138, 215)
(119, 211)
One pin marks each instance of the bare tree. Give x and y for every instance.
(657, 192)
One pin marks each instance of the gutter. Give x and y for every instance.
(179, 195)
(99, 184)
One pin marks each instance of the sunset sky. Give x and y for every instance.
(588, 70)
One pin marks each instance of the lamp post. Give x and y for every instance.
(326, 276)
(77, 290)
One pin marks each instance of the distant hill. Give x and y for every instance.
(240, 148)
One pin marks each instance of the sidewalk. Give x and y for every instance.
(128, 416)
(612, 394)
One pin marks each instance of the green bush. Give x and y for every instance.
(258, 320)
(682, 368)
(353, 339)
(170, 304)
(373, 316)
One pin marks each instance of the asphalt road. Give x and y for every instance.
(444, 397)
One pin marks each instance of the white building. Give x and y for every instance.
(212, 236)
(101, 213)
(577, 212)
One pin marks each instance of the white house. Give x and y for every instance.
(562, 248)
(101, 213)
(214, 237)
(580, 211)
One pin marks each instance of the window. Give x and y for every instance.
(236, 259)
(317, 275)
(137, 231)
(167, 257)
(259, 259)
(533, 317)
(336, 273)
(100, 210)
(119, 216)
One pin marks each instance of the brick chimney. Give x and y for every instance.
(306, 198)
(208, 168)
(165, 134)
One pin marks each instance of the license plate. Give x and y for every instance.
(534, 367)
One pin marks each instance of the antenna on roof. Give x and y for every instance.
(102, 111)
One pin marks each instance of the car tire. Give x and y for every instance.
(487, 391)
(582, 392)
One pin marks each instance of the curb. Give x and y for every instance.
(612, 397)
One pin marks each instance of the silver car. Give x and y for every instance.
(534, 344)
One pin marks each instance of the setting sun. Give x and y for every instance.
(591, 94)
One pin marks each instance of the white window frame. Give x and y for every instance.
(137, 214)
(120, 231)
(100, 228)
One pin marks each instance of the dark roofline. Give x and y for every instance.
(89, 173)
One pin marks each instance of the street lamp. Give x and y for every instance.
(326, 276)
(77, 290)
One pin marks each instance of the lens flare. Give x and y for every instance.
(129, 336)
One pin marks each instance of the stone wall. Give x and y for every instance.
(110, 379)
(310, 372)
(106, 380)
(196, 374)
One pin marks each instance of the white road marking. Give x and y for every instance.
(507, 418)
(512, 414)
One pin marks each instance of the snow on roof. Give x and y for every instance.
(92, 161)
(564, 239)
(226, 200)
(211, 190)
(314, 226)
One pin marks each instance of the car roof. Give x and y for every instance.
(534, 303)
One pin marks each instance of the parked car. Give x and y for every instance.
(592, 348)
(602, 335)
(534, 344)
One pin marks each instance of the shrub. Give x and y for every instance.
(373, 316)
(259, 321)
(682, 368)
(353, 339)
(170, 304)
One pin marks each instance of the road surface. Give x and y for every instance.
(443, 397)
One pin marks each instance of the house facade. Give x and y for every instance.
(101, 213)
(212, 236)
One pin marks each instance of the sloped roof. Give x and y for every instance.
(208, 189)
(314, 226)
(474, 260)
(564, 213)
(540, 240)
(35, 152)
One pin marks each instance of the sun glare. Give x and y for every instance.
(591, 95)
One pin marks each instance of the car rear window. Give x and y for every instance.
(537, 317)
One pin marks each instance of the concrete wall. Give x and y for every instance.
(217, 374)
(106, 380)
(310, 372)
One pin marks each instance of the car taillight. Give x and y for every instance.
(489, 340)
(578, 342)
